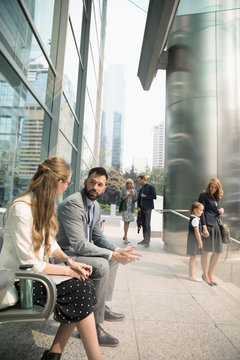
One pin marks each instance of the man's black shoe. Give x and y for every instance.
(146, 245)
(142, 242)
(105, 339)
(112, 316)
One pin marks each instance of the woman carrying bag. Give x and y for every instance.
(128, 198)
(212, 238)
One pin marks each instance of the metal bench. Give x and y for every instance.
(15, 313)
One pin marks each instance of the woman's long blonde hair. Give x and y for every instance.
(43, 186)
(219, 193)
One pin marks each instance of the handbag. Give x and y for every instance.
(11, 297)
(225, 232)
(121, 205)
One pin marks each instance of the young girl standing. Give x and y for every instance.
(194, 240)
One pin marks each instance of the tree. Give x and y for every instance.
(115, 183)
(156, 178)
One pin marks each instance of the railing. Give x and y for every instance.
(177, 212)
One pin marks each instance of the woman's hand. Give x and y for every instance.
(221, 211)
(205, 232)
(81, 271)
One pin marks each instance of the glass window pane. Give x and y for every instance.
(24, 134)
(19, 40)
(87, 155)
(71, 63)
(92, 80)
(41, 12)
(67, 123)
(89, 123)
(65, 150)
(75, 12)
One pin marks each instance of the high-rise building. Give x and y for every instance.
(158, 145)
(111, 138)
(51, 56)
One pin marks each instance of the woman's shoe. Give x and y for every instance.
(214, 283)
(50, 356)
(209, 283)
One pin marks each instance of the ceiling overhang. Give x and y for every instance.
(160, 16)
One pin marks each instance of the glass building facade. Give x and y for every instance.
(51, 62)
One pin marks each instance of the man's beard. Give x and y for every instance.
(93, 196)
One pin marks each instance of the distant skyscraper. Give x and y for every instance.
(158, 145)
(111, 138)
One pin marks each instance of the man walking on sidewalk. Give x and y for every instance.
(145, 205)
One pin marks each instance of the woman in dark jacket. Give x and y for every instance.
(210, 198)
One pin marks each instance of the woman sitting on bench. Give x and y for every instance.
(29, 238)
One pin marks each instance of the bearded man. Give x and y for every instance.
(81, 238)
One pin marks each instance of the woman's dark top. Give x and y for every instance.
(211, 207)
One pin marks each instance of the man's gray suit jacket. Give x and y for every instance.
(73, 223)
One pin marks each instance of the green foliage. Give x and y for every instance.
(117, 181)
(156, 178)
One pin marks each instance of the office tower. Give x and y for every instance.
(158, 145)
(111, 138)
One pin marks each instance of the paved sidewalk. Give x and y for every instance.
(168, 317)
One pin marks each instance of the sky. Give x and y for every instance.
(143, 109)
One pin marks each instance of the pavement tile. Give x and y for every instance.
(176, 341)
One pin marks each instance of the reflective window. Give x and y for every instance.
(24, 134)
(71, 64)
(92, 80)
(89, 123)
(41, 12)
(65, 150)
(68, 124)
(87, 155)
(94, 41)
(19, 40)
(75, 13)
(98, 14)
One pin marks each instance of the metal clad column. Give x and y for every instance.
(191, 120)
(228, 84)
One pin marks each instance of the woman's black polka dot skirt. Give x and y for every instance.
(75, 299)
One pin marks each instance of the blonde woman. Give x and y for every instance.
(129, 197)
(212, 242)
(29, 238)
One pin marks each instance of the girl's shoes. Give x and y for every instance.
(209, 283)
(50, 356)
(194, 279)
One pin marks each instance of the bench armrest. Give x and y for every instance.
(35, 314)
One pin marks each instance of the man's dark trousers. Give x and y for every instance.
(146, 225)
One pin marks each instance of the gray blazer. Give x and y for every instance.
(72, 233)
